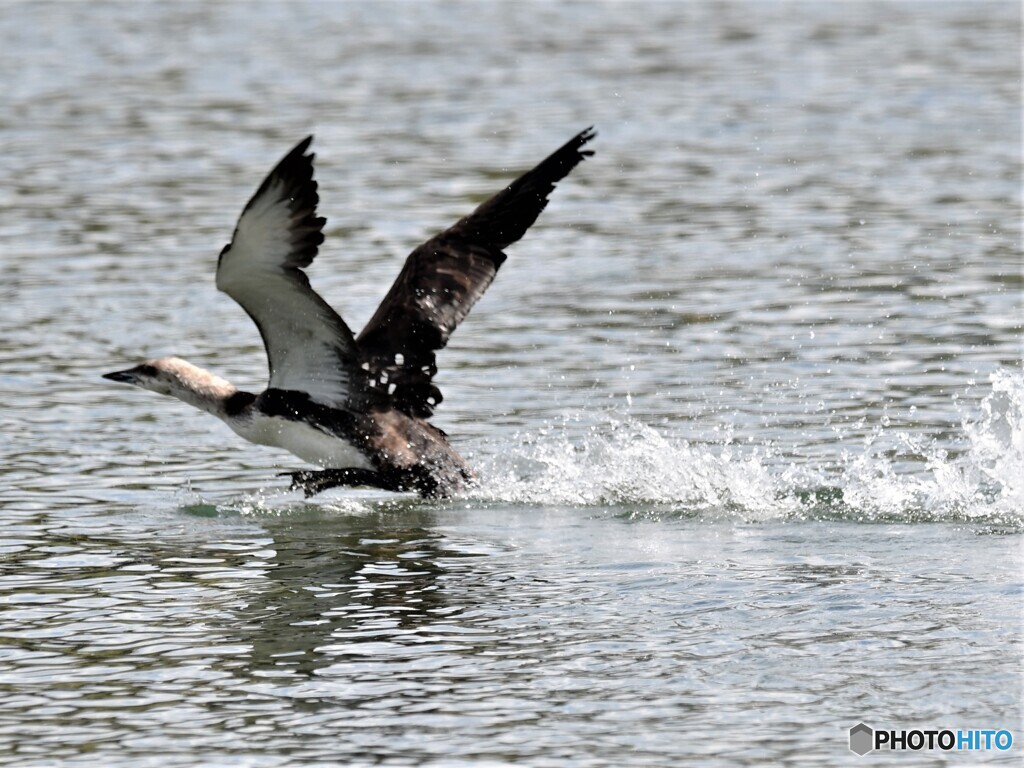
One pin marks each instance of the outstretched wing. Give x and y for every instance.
(309, 347)
(443, 278)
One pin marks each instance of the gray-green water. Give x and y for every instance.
(747, 402)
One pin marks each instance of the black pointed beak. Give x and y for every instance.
(127, 377)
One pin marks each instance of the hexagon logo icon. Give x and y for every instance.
(862, 739)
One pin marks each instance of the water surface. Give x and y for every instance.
(746, 403)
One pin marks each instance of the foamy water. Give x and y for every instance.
(621, 462)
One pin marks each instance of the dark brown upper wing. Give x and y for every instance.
(443, 278)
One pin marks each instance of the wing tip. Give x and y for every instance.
(299, 157)
(581, 139)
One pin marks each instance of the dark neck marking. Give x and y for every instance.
(238, 402)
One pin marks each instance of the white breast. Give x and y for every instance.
(299, 438)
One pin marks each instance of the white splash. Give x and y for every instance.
(624, 463)
(983, 481)
(997, 439)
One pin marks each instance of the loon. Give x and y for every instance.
(356, 406)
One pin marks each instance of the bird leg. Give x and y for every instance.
(313, 482)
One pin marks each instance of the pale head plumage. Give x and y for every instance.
(179, 378)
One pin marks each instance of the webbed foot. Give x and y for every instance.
(314, 481)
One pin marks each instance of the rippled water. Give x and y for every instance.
(747, 402)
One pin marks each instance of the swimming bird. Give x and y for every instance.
(357, 406)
